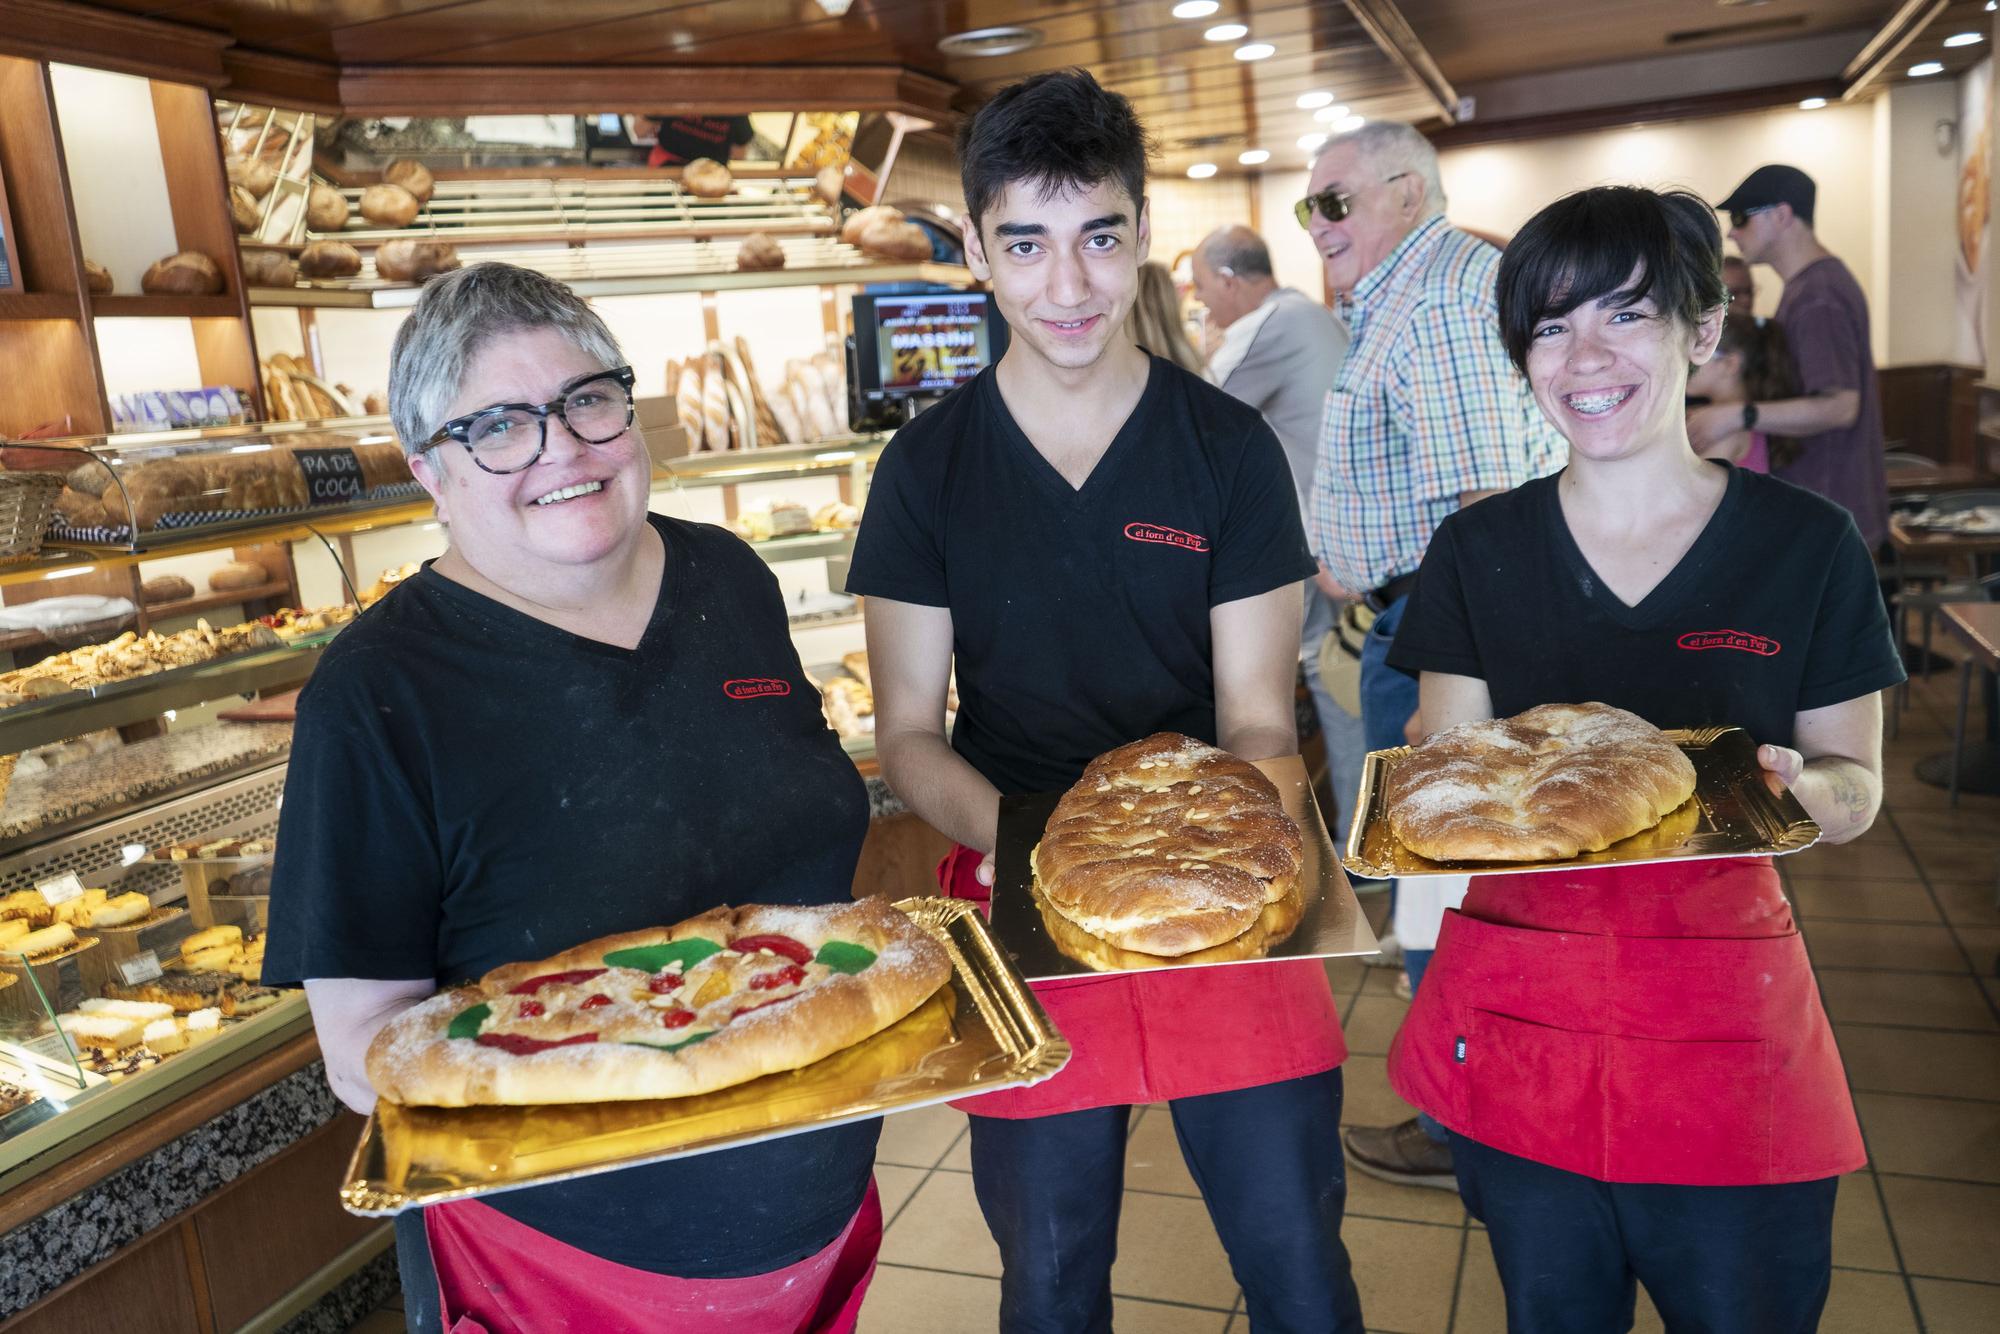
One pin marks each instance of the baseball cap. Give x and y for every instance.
(1773, 184)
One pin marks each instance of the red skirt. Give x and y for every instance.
(1178, 1033)
(497, 1276)
(1673, 1059)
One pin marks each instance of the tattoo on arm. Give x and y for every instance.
(1849, 789)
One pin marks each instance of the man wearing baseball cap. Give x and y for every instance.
(1836, 423)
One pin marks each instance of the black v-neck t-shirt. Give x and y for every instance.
(1080, 615)
(470, 787)
(1772, 611)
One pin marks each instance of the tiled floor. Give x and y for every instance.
(1904, 932)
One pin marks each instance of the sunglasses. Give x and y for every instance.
(1740, 217)
(1332, 204)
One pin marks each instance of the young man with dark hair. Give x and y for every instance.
(1014, 526)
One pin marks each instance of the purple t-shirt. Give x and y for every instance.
(1825, 319)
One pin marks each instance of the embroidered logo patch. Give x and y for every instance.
(1696, 641)
(755, 687)
(1171, 537)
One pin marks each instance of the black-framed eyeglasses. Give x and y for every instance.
(1740, 217)
(1332, 204)
(508, 437)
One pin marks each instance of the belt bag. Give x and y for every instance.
(1340, 656)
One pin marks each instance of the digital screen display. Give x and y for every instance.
(931, 344)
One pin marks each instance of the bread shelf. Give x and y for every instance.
(39, 306)
(194, 606)
(396, 296)
(183, 307)
(772, 461)
(804, 546)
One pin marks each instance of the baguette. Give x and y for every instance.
(714, 404)
(687, 404)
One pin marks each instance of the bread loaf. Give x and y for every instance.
(759, 252)
(404, 261)
(714, 404)
(687, 404)
(707, 178)
(269, 268)
(827, 185)
(862, 219)
(903, 242)
(329, 259)
(253, 174)
(80, 509)
(165, 588)
(243, 209)
(389, 205)
(412, 176)
(326, 208)
(190, 273)
(236, 575)
(97, 278)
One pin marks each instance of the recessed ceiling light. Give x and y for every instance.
(1346, 123)
(990, 41)
(1307, 101)
(1328, 115)
(1992, 5)
(1255, 51)
(1201, 171)
(1254, 156)
(1195, 9)
(1311, 141)
(1925, 68)
(1226, 32)
(1964, 39)
(1812, 104)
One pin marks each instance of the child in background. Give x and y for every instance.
(1752, 364)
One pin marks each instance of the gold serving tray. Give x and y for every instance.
(983, 1031)
(1734, 812)
(1322, 920)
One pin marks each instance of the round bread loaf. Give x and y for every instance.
(190, 273)
(253, 174)
(1167, 846)
(165, 588)
(329, 259)
(861, 220)
(389, 205)
(758, 252)
(409, 261)
(707, 177)
(1545, 785)
(269, 268)
(412, 176)
(243, 209)
(97, 278)
(326, 208)
(904, 242)
(236, 575)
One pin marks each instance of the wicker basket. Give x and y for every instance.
(27, 503)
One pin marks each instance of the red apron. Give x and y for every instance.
(1179, 1033)
(1669, 1031)
(497, 1276)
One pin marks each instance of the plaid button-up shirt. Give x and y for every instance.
(1426, 406)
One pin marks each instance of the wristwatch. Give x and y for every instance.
(1749, 416)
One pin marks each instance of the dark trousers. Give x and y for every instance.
(1266, 1159)
(1714, 1259)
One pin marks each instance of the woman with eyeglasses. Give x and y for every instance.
(534, 742)
(1639, 1079)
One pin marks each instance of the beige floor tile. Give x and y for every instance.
(1930, 829)
(1933, 1137)
(1373, 1022)
(896, 1185)
(1907, 1060)
(919, 1138)
(1344, 976)
(1863, 900)
(941, 1228)
(1482, 1307)
(1168, 1250)
(1372, 1198)
(1921, 1000)
(1153, 1158)
(959, 1159)
(1882, 945)
(1368, 1100)
(918, 1301)
(1860, 1231)
(1381, 982)
(1958, 1308)
(1946, 1229)
(1969, 902)
(1142, 1317)
(1854, 861)
(1982, 943)
(1867, 1304)
(1958, 861)
(1404, 1273)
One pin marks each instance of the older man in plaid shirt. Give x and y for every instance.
(1427, 415)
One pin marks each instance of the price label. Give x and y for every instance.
(141, 967)
(333, 476)
(60, 888)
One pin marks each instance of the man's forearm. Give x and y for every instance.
(1252, 742)
(943, 790)
(1841, 795)
(1795, 418)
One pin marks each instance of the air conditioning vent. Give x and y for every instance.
(991, 42)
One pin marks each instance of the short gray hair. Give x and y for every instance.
(456, 316)
(1389, 147)
(1237, 249)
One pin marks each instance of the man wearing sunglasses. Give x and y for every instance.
(1427, 415)
(1837, 420)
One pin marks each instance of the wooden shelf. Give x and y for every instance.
(183, 307)
(394, 296)
(39, 306)
(160, 611)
